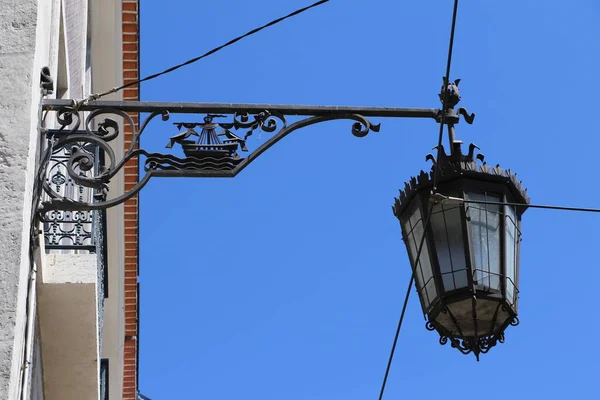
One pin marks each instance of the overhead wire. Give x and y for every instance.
(445, 95)
(208, 53)
(406, 297)
(500, 203)
(435, 180)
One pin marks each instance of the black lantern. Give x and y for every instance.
(467, 273)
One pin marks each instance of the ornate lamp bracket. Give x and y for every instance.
(79, 161)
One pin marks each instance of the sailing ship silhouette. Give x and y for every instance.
(224, 144)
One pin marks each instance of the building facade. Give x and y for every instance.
(68, 291)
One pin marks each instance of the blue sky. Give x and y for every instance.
(287, 281)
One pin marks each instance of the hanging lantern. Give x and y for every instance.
(467, 273)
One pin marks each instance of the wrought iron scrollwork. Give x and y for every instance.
(210, 148)
(477, 346)
(466, 344)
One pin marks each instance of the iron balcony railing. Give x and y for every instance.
(75, 231)
(70, 230)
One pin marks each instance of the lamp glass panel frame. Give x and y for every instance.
(495, 240)
(452, 258)
(412, 227)
(482, 260)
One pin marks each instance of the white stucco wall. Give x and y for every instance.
(67, 298)
(21, 58)
(75, 17)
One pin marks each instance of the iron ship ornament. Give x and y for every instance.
(209, 143)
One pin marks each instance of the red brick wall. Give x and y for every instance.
(130, 18)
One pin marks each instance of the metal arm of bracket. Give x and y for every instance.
(78, 151)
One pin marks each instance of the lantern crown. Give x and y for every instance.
(455, 165)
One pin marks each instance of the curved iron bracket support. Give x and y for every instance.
(360, 128)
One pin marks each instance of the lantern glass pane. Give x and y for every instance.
(413, 228)
(447, 228)
(510, 252)
(485, 229)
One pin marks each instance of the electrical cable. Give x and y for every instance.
(193, 60)
(435, 179)
(406, 297)
(445, 94)
(458, 200)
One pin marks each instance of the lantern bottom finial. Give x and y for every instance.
(476, 345)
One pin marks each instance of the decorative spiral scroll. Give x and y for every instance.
(66, 116)
(363, 126)
(469, 118)
(265, 121)
(108, 129)
(81, 159)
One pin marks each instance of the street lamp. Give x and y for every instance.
(463, 243)
(461, 233)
